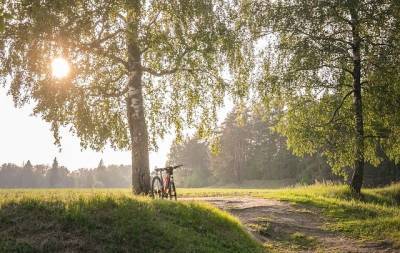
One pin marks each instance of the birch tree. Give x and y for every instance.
(137, 68)
(334, 66)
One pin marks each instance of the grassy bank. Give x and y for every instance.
(82, 220)
(113, 221)
(374, 217)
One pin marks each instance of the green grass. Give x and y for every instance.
(114, 221)
(301, 241)
(111, 220)
(376, 216)
(283, 242)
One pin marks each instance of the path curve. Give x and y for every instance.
(284, 227)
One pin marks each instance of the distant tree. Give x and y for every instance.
(58, 176)
(82, 178)
(118, 176)
(195, 156)
(40, 171)
(102, 177)
(101, 164)
(127, 58)
(234, 144)
(10, 175)
(27, 177)
(28, 165)
(89, 182)
(268, 155)
(54, 174)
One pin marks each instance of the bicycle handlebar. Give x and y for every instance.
(169, 167)
(176, 166)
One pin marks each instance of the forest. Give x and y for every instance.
(58, 176)
(252, 154)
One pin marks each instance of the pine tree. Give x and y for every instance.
(54, 174)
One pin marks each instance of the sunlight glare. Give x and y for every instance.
(60, 67)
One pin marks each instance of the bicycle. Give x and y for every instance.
(164, 187)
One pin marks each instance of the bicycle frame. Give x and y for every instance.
(163, 180)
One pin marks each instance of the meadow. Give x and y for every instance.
(112, 220)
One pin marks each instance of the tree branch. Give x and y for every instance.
(97, 42)
(159, 73)
(113, 94)
(340, 106)
(322, 66)
(166, 71)
(347, 21)
(330, 37)
(100, 51)
(376, 136)
(169, 71)
(114, 58)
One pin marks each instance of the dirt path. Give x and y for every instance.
(283, 227)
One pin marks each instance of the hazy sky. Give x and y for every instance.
(24, 137)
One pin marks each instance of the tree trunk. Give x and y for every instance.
(135, 107)
(357, 180)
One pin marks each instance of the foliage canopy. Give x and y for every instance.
(184, 48)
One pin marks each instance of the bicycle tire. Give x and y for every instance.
(155, 191)
(172, 191)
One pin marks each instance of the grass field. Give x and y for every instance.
(374, 217)
(114, 221)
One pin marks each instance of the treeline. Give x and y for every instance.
(250, 153)
(56, 176)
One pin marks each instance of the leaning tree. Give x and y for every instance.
(138, 68)
(316, 56)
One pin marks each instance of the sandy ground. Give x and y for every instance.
(283, 227)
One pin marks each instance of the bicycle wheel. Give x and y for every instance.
(172, 191)
(157, 188)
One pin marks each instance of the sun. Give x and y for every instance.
(60, 67)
